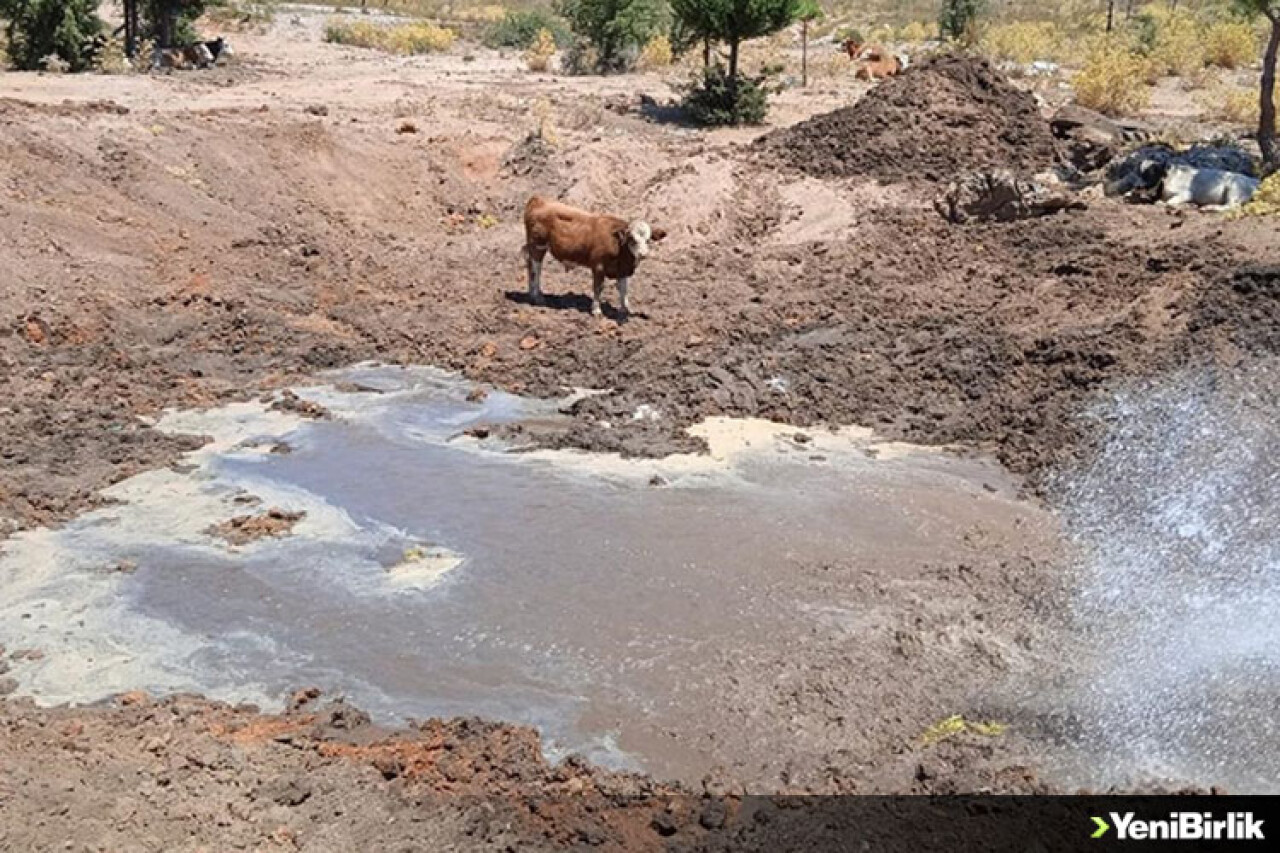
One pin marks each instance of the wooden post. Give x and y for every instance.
(804, 53)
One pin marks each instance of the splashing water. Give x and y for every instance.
(1178, 602)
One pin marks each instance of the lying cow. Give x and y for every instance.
(1208, 188)
(182, 58)
(1191, 177)
(608, 246)
(876, 61)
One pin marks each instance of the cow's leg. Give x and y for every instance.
(597, 290)
(622, 295)
(534, 256)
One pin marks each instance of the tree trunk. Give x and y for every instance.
(1267, 105)
(131, 28)
(706, 52)
(804, 53)
(1111, 14)
(733, 68)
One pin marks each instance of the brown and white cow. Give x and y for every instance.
(876, 61)
(607, 245)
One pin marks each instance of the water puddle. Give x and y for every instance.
(421, 572)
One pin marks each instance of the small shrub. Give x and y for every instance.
(406, 39)
(1172, 41)
(916, 32)
(488, 14)
(657, 53)
(54, 64)
(538, 56)
(1266, 201)
(111, 59)
(580, 58)
(715, 102)
(1023, 42)
(1231, 43)
(1237, 106)
(544, 127)
(1112, 80)
(854, 34)
(521, 29)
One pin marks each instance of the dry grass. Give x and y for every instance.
(404, 39)
(1025, 42)
(1266, 201)
(916, 32)
(1236, 106)
(1232, 43)
(1179, 47)
(1113, 78)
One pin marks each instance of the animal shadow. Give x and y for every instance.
(570, 302)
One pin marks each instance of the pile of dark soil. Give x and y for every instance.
(946, 115)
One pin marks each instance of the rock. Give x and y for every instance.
(664, 824)
(301, 698)
(287, 792)
(8, 685)
(317, 109)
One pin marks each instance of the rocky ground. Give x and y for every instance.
(189, 239)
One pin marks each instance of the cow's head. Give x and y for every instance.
(637, 236)
(851, 46)
(1143, 170)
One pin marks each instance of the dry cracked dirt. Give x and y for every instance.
(193, 239)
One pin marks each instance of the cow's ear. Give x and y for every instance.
(658, 235)
(623, 236)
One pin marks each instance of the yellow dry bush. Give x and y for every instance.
(112, 59)
(544, 117)
(407, 39)
(420, 38)
(487, 14)
(1023, 42)
(1231, 43)
(1113, 79)
(538, 56)
(916, 32)
(1237, 106)
(1266, 201)
(1178, 48)
(657, 53)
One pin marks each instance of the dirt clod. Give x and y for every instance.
(244, 529)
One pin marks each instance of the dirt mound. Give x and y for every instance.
(945, 115)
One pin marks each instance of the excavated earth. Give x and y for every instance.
(183, 241)
(949, 114)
